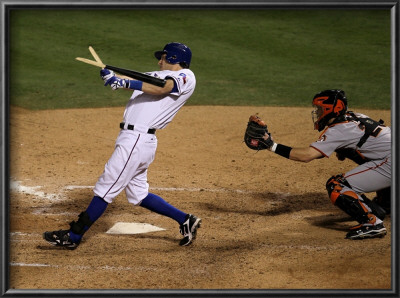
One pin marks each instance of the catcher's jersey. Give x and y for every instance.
(347, 134)
(152, 111)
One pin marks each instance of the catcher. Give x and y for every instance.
(350, 135)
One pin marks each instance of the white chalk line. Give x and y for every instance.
(24, 237)
(195, 189)
(72, 267)
(83, 267)
(16, 186)
(30, 265)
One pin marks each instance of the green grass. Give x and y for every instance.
(240, 57)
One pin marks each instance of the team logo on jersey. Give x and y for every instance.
(183, 77)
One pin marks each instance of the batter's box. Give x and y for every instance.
(133, 228)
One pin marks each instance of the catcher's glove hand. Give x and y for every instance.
(257, 136)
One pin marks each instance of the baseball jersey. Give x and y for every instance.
(156, 111)
(348, 133)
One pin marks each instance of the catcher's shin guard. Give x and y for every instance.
(378, 210)
(354, 207)
(348, 201)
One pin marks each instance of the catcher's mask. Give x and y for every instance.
(176, 53)
(328, 104)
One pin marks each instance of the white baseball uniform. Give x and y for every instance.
(135, 149)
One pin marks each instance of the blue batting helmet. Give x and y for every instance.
(176, 53)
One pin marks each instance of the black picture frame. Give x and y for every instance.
(7, 6)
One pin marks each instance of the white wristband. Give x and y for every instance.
(273, 148)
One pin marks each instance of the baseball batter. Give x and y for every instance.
(150, 108)
(350, 135)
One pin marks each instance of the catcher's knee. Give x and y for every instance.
(334, 186)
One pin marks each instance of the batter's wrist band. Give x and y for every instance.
(135, 85)
(281, 150)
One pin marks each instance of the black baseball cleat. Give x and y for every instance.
(189, 229)
(367, 231)
(60, 238)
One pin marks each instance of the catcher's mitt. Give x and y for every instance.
(255, 132)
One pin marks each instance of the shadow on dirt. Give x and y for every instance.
(270, 204)
(275, 204)
(338, 221)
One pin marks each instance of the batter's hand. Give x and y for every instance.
(117, 83)
(106, 74)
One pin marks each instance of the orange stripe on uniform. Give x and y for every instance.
(368, 169)
(320, 151)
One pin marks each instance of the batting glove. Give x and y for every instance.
(106, 74)
(117, 83)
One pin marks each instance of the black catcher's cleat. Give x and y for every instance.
(367, 231)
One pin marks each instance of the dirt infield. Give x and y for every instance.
(267, 221)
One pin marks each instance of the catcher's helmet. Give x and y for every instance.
(328, 104)
(176, 53)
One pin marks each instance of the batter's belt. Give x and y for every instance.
(132, 127)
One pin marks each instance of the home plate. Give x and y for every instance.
(133, 228)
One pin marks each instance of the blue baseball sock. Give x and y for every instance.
(159, 205)
(95, 209)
